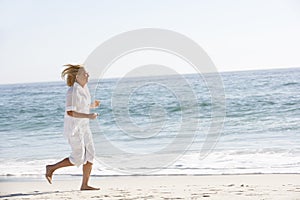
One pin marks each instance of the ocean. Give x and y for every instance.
(261, 129)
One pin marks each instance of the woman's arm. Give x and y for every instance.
(82, 115)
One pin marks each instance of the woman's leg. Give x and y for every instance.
(89, 157)
(51, 168)
(86, 171)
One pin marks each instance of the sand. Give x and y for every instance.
(268, 186)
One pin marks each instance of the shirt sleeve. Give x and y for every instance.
(71, 101)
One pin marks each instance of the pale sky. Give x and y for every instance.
(38, 36)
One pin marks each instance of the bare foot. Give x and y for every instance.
(88, 188)
(49, 173)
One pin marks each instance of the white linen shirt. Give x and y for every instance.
(78, 99)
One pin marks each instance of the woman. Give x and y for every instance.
(76, 124)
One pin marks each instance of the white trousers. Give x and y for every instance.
(82, 146)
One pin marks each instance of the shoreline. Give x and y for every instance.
(66, 177)
(250, 186)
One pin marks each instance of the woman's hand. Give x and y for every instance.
(95, 104)
(93, 115)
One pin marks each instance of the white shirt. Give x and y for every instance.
(78, 99)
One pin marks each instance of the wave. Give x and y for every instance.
(218, 162)
(290, 84)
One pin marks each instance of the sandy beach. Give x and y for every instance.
(268, 186)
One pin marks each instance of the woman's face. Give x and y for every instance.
(82, 76)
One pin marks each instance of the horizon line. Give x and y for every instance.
(111, 78)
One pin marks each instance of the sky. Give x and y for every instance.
(38, 36)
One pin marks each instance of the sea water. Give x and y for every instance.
(261, 132)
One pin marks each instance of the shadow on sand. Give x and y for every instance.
(35, 193)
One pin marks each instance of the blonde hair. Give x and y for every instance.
(71, 72)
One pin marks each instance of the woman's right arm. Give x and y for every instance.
(75, 114)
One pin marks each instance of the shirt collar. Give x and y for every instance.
(78, 85)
